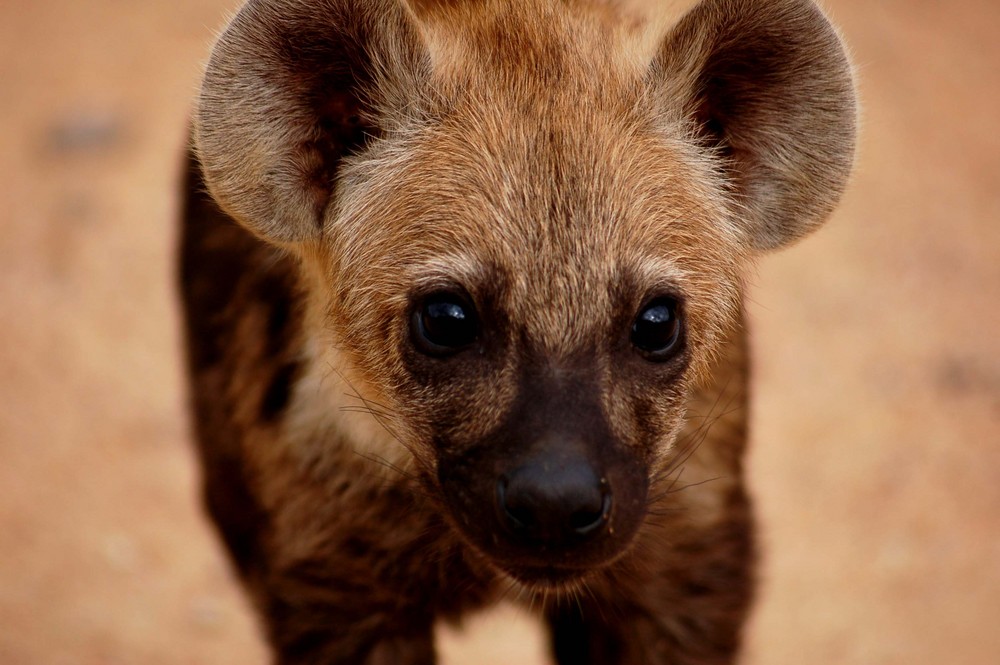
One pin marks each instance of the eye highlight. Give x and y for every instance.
(443, 323)
(656, 331)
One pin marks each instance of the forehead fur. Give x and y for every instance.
(545, 37)
(563, 181)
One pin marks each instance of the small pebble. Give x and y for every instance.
(206, 612)
(86, 131)
(121, 553)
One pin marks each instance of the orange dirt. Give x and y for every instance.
(876, 461)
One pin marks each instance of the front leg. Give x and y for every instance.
(586, 635)
(337, 624)
(682, 603)
(360, 577)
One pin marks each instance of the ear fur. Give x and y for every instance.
(295, 85)
(292, 87)
(769, 86)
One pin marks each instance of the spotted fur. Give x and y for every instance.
(561, 162)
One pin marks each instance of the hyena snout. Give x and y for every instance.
(551, 510)
(550, 502)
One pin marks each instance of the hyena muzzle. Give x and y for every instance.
(463, 284)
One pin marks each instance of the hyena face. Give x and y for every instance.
(524, 228)
(536, 312)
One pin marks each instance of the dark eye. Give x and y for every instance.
(444, 323)
(657, 329)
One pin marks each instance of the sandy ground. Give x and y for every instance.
(876, 461)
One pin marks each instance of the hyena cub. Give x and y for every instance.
(463, 284)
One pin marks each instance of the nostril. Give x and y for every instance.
(583, 520)
(587, 520)
(518, 517)
(553, 507)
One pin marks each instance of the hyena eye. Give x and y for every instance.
(657, 329)
(444, 323)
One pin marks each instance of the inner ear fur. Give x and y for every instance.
(769, 89)
(291, 88)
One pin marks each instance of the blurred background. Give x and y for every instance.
(876, 454)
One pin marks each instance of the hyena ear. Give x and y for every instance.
(293, 87)
(769, 86)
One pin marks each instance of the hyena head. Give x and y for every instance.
(523, 228)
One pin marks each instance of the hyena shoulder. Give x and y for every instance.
(243, 322)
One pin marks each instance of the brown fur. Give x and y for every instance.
(561, 161)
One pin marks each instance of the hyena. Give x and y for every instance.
(463, 284)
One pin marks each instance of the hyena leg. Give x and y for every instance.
(629, 639)
(312, 626)
(318, 615)
(687, 609)
(585, 637)
(360, 580)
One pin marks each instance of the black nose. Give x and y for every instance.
(549, 505)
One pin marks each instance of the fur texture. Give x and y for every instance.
(558, 165)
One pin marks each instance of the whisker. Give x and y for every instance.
(380, 416)
(381, 461)
(364, 409)
(511, 586)
(685, 448)
(697, 484)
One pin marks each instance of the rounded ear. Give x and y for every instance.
(292, 87)
(769, 87)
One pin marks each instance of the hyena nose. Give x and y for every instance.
(545, 505)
